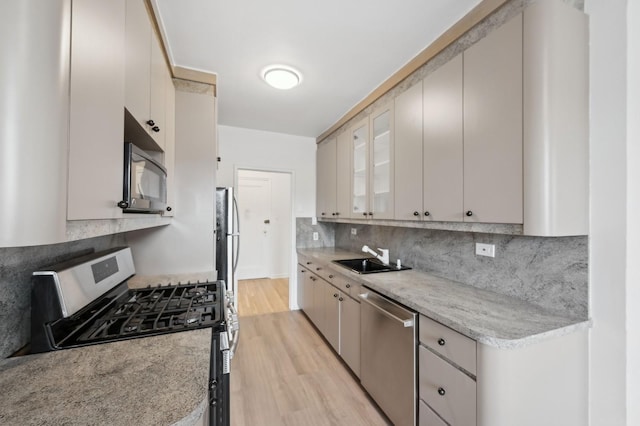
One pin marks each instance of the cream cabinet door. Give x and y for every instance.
(331, 315)
(350, 332)
(408, 154)
(359, 145)
(169, 144)
(443, 141)
(493, 126)
(157, 96)
(381, 163)
(326, 179)
(138, 62)
(96, 121)
(343, 175)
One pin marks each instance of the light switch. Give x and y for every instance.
(315, 236)
(486, 250)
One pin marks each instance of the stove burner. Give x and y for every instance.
(187, 318)
(195, 292)
(133, 325)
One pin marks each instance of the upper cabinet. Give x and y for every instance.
(96, 124)
(146, 73)
(372, 165)
(498, 134)
(343, 175)
(326, 179)
(493, 126)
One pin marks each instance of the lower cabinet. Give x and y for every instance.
(334, 313)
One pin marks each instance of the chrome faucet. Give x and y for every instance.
(384, 257)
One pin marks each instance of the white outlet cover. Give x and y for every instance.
(314, 220)
(488, 250)
(315, 236)
(354, 231)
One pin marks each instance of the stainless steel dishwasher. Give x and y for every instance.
(388, 356)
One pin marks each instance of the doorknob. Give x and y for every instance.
(267, 221)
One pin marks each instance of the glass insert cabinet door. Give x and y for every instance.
(381, 196)
(360, 170)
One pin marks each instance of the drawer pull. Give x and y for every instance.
(330, 276)
(441, 341)
(340, 299)
(335, 295)
(308, 263)
(348, 285)
(318, 268)
(441, 391)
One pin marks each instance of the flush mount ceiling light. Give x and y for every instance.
(281, 76)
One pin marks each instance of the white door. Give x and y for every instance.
(254, 204)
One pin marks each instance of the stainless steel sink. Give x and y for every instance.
(368, 265)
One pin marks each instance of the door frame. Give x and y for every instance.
(293, 291)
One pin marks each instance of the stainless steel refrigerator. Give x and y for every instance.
(227, 239)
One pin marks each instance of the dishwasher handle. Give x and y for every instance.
(382, 305)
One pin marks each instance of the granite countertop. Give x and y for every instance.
(131, 382)
(487, 317)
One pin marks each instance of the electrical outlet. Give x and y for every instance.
(354, 231)
(314, 220)
(488, 250)
(315, 236)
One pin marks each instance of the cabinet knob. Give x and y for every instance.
(123, 204)
(308, 263)
(441, 341)
(322, 213)
(302, 270)
(337, 213)
(335, 294)
(333, 214)
(427, 214)
(348, 286)
(416, 214)
(340, 299)
(155, 129)
(330, 276)
(151, 122)
(469, 213)
(370, 213)
(318, 268)
(364, 214)
(441, 391)
(169, 208)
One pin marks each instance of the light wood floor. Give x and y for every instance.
(284, 373)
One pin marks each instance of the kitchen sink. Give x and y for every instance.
(368, 265)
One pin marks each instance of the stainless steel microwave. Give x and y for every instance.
(145, 182)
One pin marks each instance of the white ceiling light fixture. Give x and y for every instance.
(281, 76)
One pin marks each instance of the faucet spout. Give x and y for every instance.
(384, 257)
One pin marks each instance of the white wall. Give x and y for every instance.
(260, 150)
(615, 209)
(633, 213)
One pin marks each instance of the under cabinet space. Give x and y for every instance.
(449, 391)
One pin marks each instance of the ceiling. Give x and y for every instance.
(344, 50)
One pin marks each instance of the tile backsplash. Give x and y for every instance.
(305, 229)
(549, 272)
(16, 267)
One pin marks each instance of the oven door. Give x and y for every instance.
(219, 412)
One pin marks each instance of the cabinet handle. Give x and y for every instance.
(333, 214)
(416, 214)
(308, 263)
(441, 391)
(364, 214)
(335, 294)
(322, 213)
(469, 213)
(151, 122)
(169, 208)
(427, 214)
(318, 268)
(348, 286)
(337, 213)
(441, 341)
(370, 213)
(302, 271)
(123, 204)
(340, 299)
(330, 276)
(155, 129)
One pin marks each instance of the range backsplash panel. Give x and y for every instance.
(16, 266)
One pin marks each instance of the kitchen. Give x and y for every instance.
(612, 236)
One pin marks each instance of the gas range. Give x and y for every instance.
(87, 301)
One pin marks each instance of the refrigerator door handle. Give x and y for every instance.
(236, 234)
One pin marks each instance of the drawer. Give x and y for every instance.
(426, 416)
(452, 345)
(447, 390)
(305, 261)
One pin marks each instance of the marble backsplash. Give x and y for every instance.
(549, 272)
(305, 229)
(16, 266)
